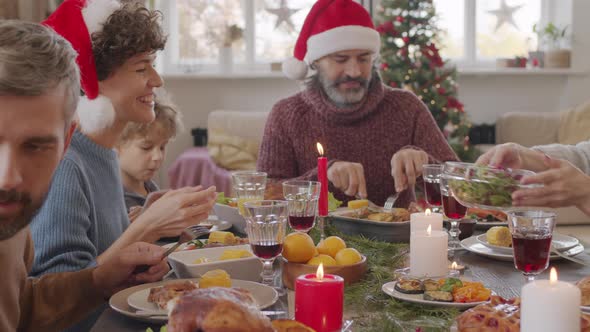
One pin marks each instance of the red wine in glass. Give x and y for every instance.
(301, 223)
(267, 250)
(531, 252)
(433, 195)
(452, 208)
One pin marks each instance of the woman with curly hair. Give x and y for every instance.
(84, 219)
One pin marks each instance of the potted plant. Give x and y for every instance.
(231, 34)
(553, 38)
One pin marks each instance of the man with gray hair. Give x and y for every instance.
(39, 91)
(376, 138)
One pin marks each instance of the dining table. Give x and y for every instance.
(500, 276)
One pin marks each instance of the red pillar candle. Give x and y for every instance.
(319, 301)
(323, 179)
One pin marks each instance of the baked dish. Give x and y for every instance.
(162, 294)
(584, 286)
(396, 215)
(499, 315)
(289, 325)
(217, 310)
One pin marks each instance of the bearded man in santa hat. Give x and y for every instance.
(376, 138)
(84, 220)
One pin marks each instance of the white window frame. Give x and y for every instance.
(168, 59)
(470, 59)
(169, 64)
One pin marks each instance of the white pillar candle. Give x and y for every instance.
(550, 306)
(428, 253)
(420, 221)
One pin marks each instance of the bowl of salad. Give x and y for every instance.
(483, 187)
(226, 208)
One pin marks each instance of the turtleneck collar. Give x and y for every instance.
(321, 104)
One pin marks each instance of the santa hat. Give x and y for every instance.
(76, 21)
(331, 26)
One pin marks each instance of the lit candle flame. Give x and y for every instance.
(553, 276)
(320, 272)
(454, 266)
(429, 230)
(427, 212)
(320, 149)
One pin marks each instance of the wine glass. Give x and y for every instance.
(454, 211)
(266, 225)
(248, 186)
(531, 232)
(431, 175)
(302, 198)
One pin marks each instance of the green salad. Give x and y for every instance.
(485, 186)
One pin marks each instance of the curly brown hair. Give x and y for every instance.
(131, 30)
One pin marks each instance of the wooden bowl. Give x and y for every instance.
(350, 273)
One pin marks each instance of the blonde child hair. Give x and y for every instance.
(167, 117)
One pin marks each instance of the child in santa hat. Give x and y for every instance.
(84, 219)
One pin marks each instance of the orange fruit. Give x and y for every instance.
(331, 246)
(298, 247)
(325, 259)
(348, 256)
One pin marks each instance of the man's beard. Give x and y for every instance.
(10, 225)
(350, 97)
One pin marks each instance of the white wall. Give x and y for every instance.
(485, 96)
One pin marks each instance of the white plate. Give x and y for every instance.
(560, 242)
(473, 245)
(480, 224)
(264, 296)
(389, 289)
(218, 225)
(345, 213)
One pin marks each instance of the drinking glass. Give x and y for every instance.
(431, 175)
(454, 211)
(532, 232)
(248, 186)
(266, 225)
(302, 198)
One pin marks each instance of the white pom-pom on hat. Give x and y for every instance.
(294, 69)
(95, 115)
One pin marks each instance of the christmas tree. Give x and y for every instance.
(410, 60)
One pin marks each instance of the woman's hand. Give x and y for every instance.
(512, 155)
(175, 211)
(563, 185)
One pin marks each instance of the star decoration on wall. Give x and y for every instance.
(505, 14)
(283, 14)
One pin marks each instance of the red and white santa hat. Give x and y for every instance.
(331, 26)
(76, 21)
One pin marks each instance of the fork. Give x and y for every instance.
(569, 258)
(372, 205)
(388, 206)
(188, 234)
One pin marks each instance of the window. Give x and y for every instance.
(197, 30)
(476, 32)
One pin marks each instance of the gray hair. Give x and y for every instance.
(313, 81)
(34, 60)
